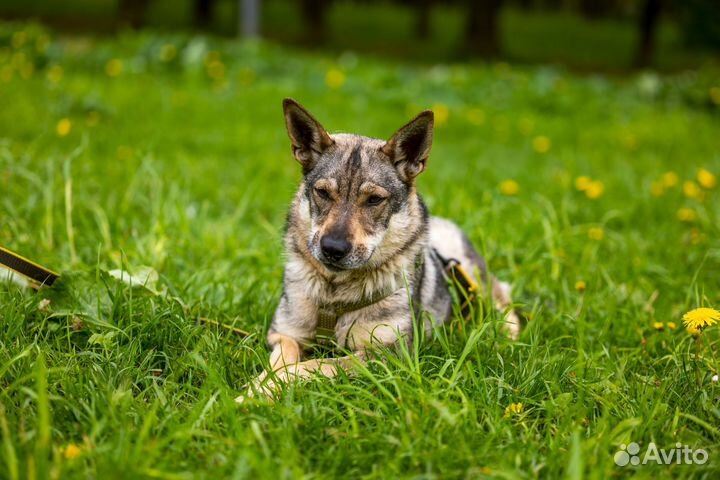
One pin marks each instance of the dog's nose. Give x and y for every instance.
(334, 247)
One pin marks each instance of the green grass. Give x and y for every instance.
(166, 167)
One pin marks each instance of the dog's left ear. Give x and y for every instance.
(409, 147)
(309, 138)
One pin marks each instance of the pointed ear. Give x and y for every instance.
(409, 148)
(309, 139)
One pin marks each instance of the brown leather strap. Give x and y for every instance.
(329, 314)
(38, 275)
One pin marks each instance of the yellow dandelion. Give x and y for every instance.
(114, 67)
(6, 73)
(671, 325)
(42, 43)
(212, 56)
(63, 127)
(694, 331)
(580, 286)
(670, 179)
(657, 189)
(595, 189)
(514, 409)
(701, 318)
(687, 215)
(582, 183)
(526, 125)
(334, 78)
(659, 326)
(691, 189)
(167, 53)
(442, 114)
(706, 179)
(55, 74)
(246, 76)
(715, 95)
(596, 233)
(26, 71)
(476, 116)
(541, 144)
(216, 69)
(18, 39)
(72, 451)
(509, 187)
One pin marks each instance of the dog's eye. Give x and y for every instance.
(375, 200)
(322, 193)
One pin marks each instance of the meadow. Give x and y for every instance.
(166, 156)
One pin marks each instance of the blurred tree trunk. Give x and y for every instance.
(649, 17)
(314, 13)
(250, 18)
(203, 13)
(132, 12)
(482, 34)
(422, 25)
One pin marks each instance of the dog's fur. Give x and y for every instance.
(359, 233)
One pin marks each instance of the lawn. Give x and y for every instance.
(158, 153)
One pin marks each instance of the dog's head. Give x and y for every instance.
(354, 186)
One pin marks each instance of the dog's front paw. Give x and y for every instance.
(262, 388)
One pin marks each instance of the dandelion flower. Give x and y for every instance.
(706, 179)
(334, 78)
(595, 189)
(659, 326)
(63, 127)
(514, 409)
(442, 114)
(691, 189)
(693, 331)
(18, 39)
(509, 187)
(55, 73)
(670, 179)
(672, 325)
(701, 318)
(596, 233)
(657, 189)
(167, 53)
(72, 451)
(687, 215)
(216, 70)
(541, 144)
(114, 67)
(475, 116)
(580, 286)
(715, 95)
(582, 183)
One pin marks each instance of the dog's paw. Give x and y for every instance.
(513, 325)
(262, 388)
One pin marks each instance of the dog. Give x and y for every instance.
(364, 258)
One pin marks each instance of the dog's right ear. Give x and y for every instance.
(309, 138)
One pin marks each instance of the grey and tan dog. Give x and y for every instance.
(363, 256)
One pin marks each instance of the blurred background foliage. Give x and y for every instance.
(608, 35)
